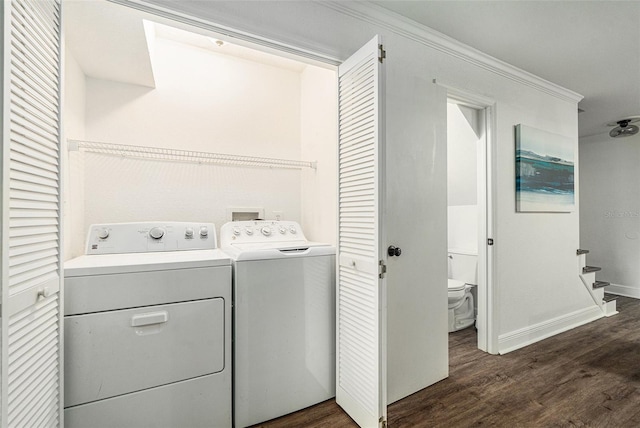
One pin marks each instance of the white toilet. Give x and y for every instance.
(463, 275)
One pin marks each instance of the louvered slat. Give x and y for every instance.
(22, 77)
(31, 366)
(29, 48)
(33, 147)
(30, 20)
(20, 242)
(37, 275)
(35, 173)
(22, 126)
(32, 248)
(358, 359)
(37, 69)
(18, 175)
(26, 154)
(30, 187)
(23, 109)
(32, 100)
(32, 256)
(21, 90)
(357, 328)
(47, 11)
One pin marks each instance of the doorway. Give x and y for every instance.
(469, 212)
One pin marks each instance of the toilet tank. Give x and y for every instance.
(463, 266)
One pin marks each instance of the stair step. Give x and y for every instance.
(589, 269)
(600, 284)
(610, 297)
(579, 252)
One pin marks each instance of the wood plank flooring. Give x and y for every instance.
(586, 377)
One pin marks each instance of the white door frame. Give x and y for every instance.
(486, 322)
(254, 41)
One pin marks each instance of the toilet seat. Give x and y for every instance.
(456, 292)
(456, 285)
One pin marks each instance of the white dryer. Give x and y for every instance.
(284, 319)
(147, 328)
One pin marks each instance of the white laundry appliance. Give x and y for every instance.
(147, 328)
(284, 319)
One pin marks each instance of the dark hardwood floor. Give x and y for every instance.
(586, 377)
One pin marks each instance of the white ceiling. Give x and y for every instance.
(108, 41)
(590, 47)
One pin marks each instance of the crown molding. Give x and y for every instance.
(410, 29)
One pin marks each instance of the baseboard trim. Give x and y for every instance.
(526, 336)
(623, 290)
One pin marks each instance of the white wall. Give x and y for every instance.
(74, 119)
(610, 209)
(462, 229)
(462, 179)
(318, 137)
(462, 159)
(204, 102)
(536, 281)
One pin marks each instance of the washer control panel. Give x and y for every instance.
(236, 232)
(122, 238)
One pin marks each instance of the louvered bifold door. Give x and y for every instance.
(360, 365)
(31, 261)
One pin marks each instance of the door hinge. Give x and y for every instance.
(383, 422)
(490, 241)
(382, 269)
(382, 54)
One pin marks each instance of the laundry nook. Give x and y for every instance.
(204, 171)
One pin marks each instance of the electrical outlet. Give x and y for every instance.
(278, 215)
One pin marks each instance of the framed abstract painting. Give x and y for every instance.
(544, 171)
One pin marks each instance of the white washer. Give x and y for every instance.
(148, 328)
(284, 319)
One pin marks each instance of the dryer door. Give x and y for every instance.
(118, 352)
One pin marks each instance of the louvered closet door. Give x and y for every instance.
(31, 266)
(361, 365)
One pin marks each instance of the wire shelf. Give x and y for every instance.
(173, 155)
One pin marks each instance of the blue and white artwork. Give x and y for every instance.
(544, 171)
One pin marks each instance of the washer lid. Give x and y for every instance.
(278, 250)
(105, 264)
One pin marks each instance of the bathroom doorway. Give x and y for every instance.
(470, 240)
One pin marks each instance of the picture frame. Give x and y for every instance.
(545, 171)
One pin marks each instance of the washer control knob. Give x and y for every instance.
(236, 231)
(204, 232)
(188, 233)
(248, 230)
(103, 233)
(292, 229)
(266, 231)
(282, 229)
(156, 232)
